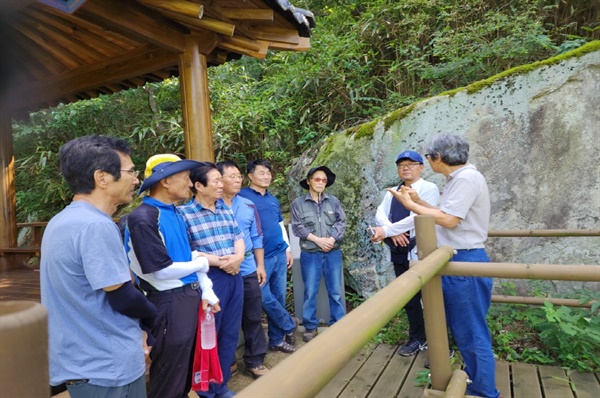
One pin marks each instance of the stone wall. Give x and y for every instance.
(535, 135)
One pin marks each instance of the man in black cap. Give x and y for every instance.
(396, 229)
(156, 242)
(320, 222)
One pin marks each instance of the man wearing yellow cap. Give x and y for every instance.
(169, 272)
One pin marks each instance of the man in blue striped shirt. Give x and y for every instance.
(212, 229)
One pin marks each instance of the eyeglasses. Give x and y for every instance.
(408, 165)
(317, 179)
(133, 173)
(235, 177)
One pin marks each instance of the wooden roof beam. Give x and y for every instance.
(77, 48)
(271, 33)
(241, 45)
(248, 14)
(70, 28)
(213, 25)
(45, 59)
(115, 70)
(138, 21)
(82, 22)
(186, 8)
(303, 45)
(56, 51)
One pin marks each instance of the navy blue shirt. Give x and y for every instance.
(269, 212)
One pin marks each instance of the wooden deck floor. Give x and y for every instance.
(378, 372)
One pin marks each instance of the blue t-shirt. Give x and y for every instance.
(247, 218)
(269, 211)
(155, 237)
(82, 253)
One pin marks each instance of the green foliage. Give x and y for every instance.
(569, 337)
(573, 336)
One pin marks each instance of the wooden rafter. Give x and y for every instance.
(121, 68)
(135, 20)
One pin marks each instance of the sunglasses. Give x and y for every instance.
(323, 180)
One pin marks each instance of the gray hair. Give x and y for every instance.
(453, 149)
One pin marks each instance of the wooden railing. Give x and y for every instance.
(306, 372)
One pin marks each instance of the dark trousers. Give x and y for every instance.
(230, 291)
(255, 341)
(175, 333)
(413, 309)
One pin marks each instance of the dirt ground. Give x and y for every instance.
(238, 382)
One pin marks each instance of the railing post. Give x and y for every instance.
(433, 308)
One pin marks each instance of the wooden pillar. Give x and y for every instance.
(195, 102)
(433, 308)
(8, 205)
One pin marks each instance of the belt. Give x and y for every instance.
(75, 382)
(190, 286)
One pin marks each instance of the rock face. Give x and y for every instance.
(534, 133)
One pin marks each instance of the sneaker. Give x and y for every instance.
(309, 334)
(451, 352)
(257, 371)
(290, 337)
(412, 347)
(283, 347)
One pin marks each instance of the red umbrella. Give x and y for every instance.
(206, 368)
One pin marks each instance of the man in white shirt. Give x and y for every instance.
(396, 229)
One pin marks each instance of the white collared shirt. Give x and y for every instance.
(427, 191)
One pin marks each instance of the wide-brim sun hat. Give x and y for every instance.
(163, 166)
(325, 169)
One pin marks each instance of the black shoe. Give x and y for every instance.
(427, 360)
(290, 337)
(412, 347)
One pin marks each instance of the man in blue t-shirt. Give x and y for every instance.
(170, 272)
(98, 323)
(252, 268)
(278, 258)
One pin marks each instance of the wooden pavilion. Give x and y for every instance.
(61, 51)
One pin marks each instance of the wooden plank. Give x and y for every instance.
(369, 373)
(555, 383)
(525, 381)
(586, 385)
(130, 65)
(393, 377)
(503, 378)
(409, 390)
(133, 19)
(340, 381)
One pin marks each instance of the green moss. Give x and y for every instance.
(363, 130)
(368, 129)
(522, 69)
(398, 115)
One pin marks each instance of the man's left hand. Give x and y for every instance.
(289, 259)
(231, 263)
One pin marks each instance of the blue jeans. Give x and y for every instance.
(230, 291)
(313, 266)
(466, 301)
(135, 389)
(273, 299)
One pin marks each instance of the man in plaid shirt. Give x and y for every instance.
(212, 229)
